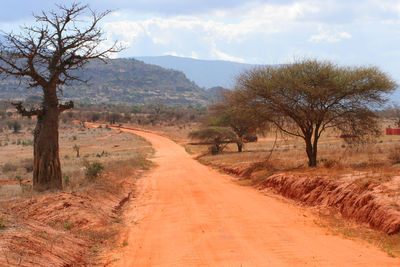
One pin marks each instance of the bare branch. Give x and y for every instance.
(27, 113)
(44, 54)
(65, 106)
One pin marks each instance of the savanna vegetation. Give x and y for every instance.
(45, 56)
(309, 118)
(304, 100)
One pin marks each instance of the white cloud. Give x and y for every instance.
(173, 53)
(254, 19)
(224, 56)
(267, 32)
(330, 36)
(222, 28)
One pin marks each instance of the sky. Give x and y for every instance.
(259, 32)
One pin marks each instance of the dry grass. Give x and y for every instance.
(87, 222)
(394, 154)
(335, 156)
(337, 226)
(103, 145)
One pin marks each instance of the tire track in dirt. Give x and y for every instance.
(186, 214)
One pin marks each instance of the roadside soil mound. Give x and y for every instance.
(62, 228)
(360, 198)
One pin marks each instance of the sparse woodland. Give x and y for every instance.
(302, 130)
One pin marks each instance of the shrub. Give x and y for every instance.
(18, 178)
(95, 116)
(26, 188)
(27, 143)
(67, 225)
(66, 179)
(14, 125)
(394, 155)
(9, 167)
(330, 163)
(3, 222)
(93, 169)
(27, 164)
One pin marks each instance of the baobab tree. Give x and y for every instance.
(47, 55)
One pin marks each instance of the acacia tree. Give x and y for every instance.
(230, 112)
(217, 137)
(48, 55)
(308, 97)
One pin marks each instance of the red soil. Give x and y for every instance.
(186, 214)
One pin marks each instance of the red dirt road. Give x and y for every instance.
(186, 214)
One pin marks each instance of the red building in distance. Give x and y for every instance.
(393, 131)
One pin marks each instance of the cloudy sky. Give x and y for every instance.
(263, 32)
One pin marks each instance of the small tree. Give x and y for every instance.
(94, 116)
(76, 149)
(14, 125)
(306, 98)
(217, 137)
(230, 112)
(48, 55)
(114, 117)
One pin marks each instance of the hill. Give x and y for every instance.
(122, 80)
(205, 73)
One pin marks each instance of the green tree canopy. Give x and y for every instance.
(306, 98)
(230, 112)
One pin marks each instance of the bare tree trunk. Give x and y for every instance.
(47, 167)
(240, 146)
(311, 153)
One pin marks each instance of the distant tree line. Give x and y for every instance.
(156, 113)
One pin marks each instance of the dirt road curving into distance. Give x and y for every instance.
(186, 214)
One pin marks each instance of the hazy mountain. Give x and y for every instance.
(123, 80)
(205, 73)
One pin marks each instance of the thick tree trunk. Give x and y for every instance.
(311, 153)
(47, 167)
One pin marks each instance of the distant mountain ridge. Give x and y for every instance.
(205, 73)
(123, 80)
